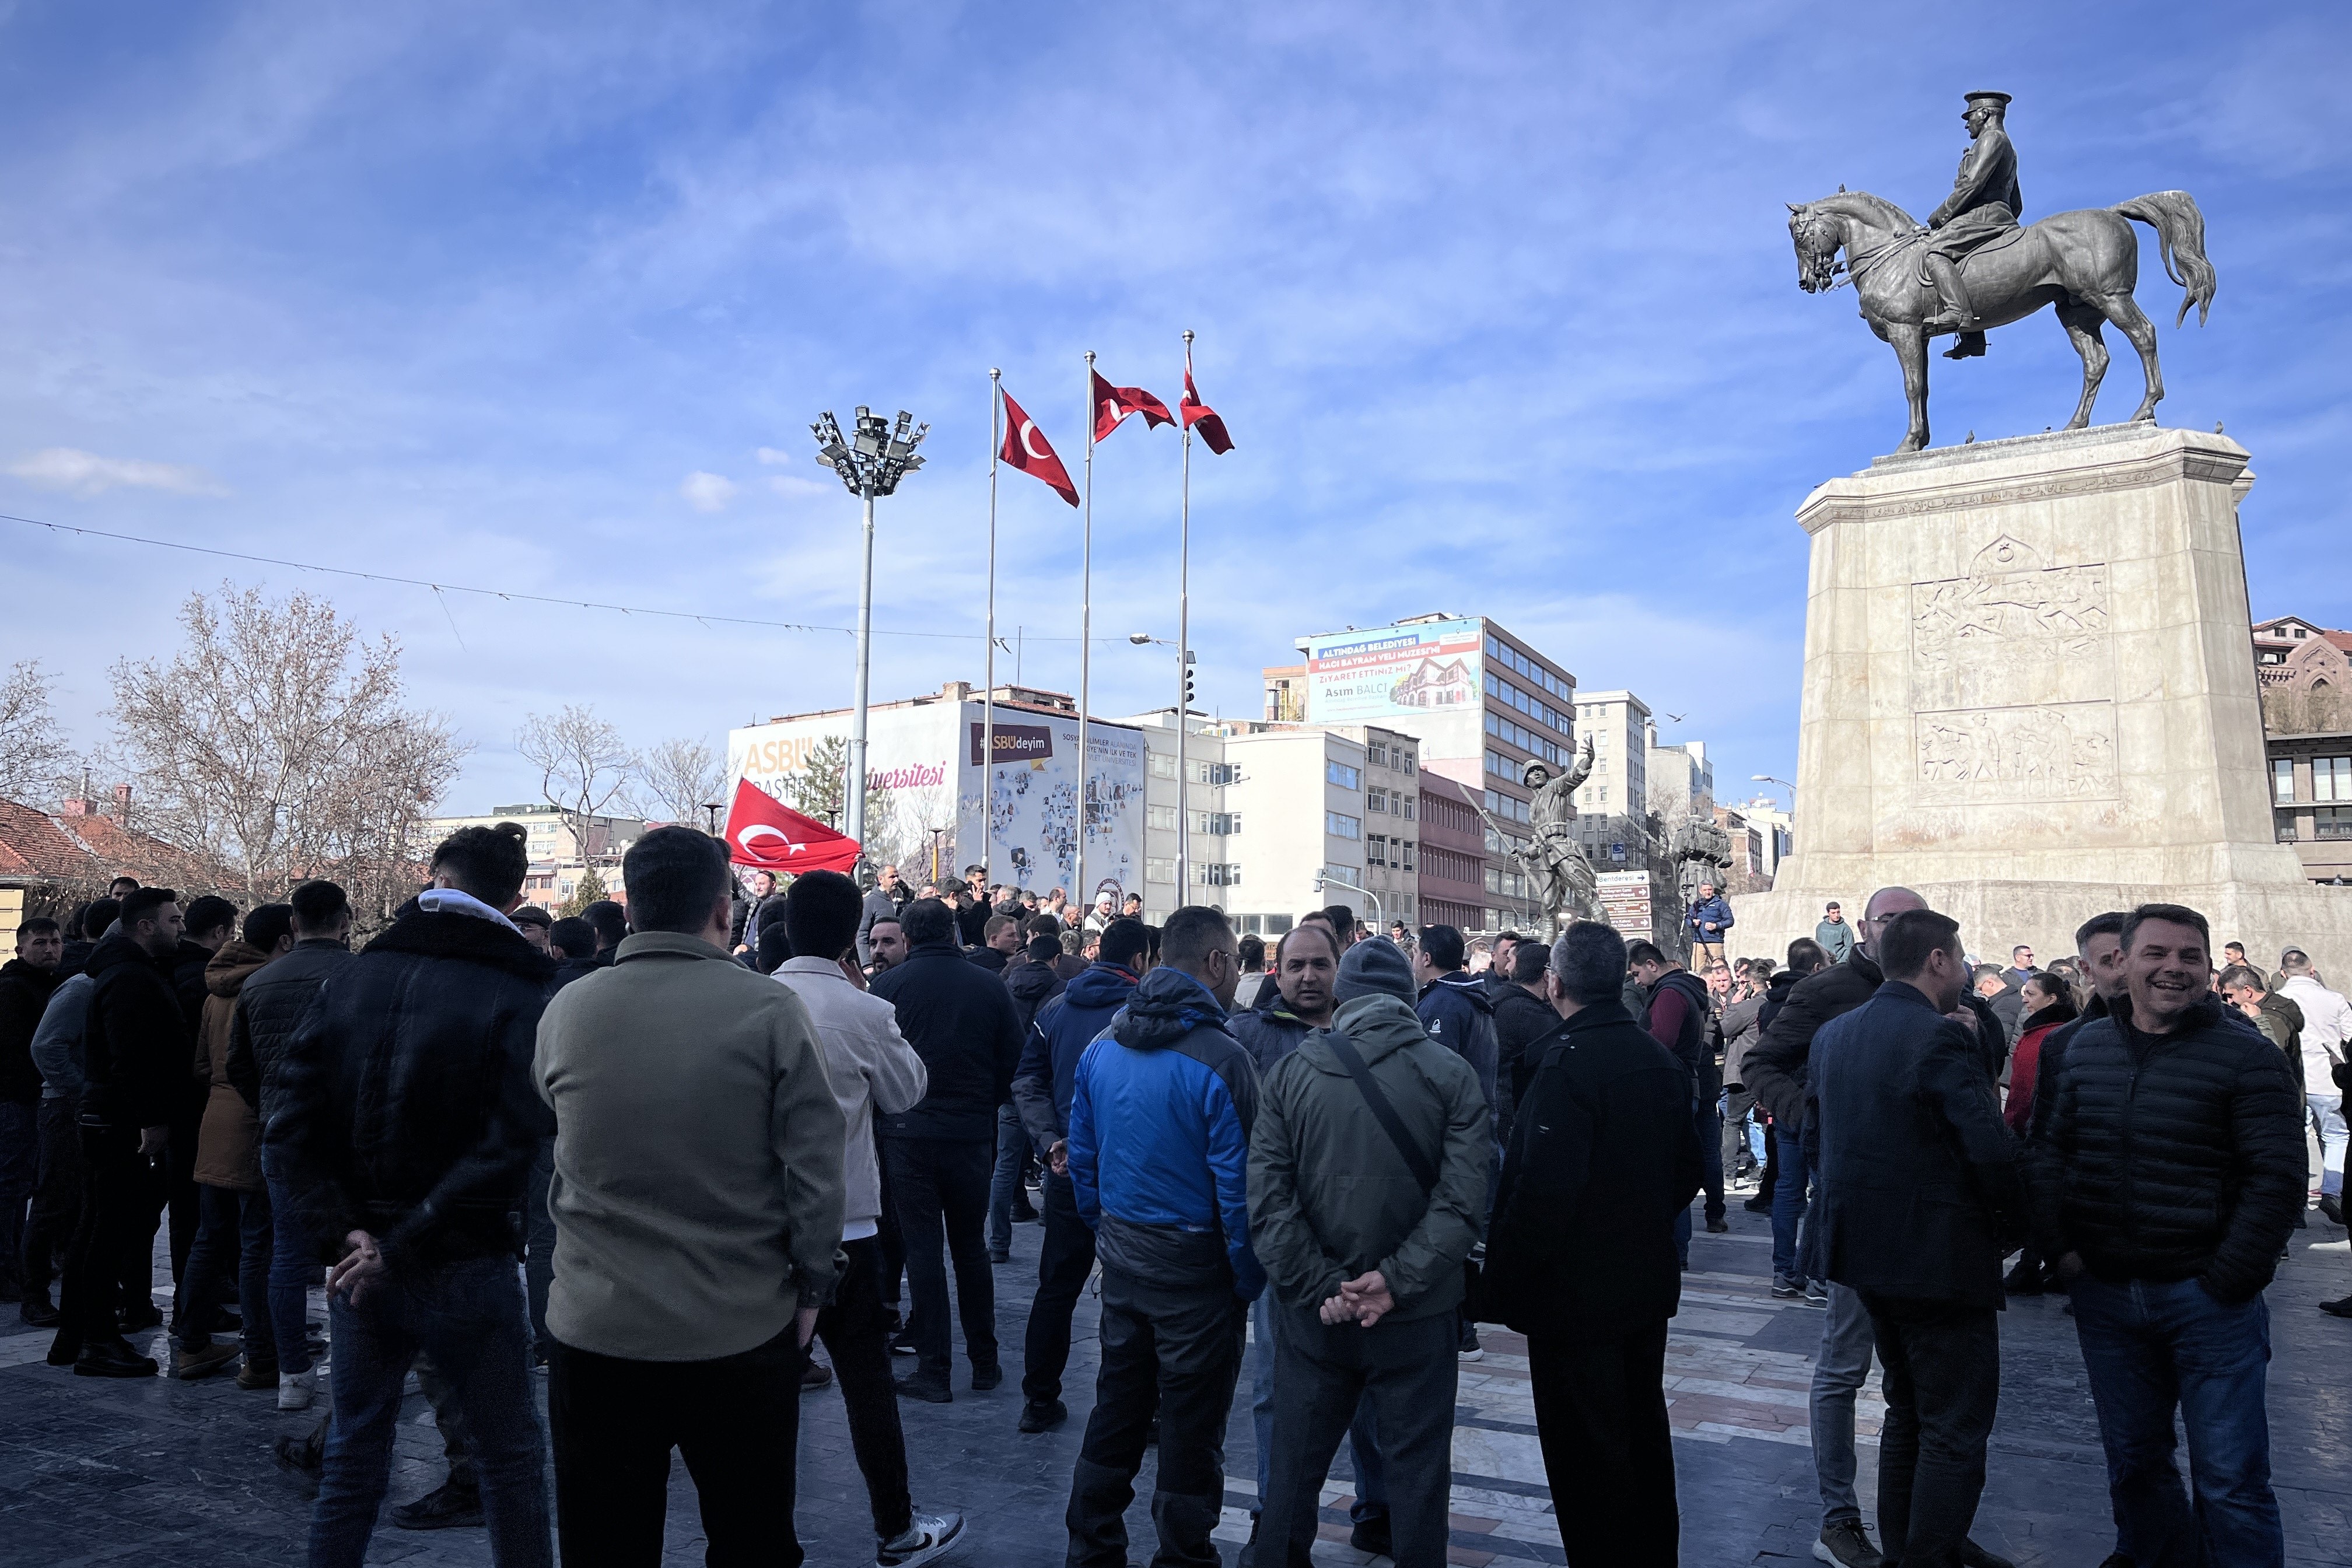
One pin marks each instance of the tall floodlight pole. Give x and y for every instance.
(1184, 658)
(1085, 642)
(988, 660)
(871, 462)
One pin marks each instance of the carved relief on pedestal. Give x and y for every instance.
(2013, 630)
(2036, 752)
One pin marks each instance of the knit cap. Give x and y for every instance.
(1374, 967)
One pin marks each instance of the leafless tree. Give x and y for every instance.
(32, 748)
(583, 767)
(276, 744)
(675, 780)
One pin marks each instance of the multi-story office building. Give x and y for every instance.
(1680, 781)
(1216, 842)
(1611, 805)
(1453, 855)
(1300, 794)
(1480, 702)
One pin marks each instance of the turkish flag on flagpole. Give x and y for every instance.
(1199, 414)
(1113, 404)
(1026, 448)
(764, 832)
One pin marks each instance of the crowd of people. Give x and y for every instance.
(663, 1156)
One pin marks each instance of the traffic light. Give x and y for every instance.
(1188, 682)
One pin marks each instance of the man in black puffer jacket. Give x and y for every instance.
(405, 1134)
(2165, 1179)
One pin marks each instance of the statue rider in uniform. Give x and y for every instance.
(1984, 206)
(1562, 876)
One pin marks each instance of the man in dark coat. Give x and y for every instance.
(405, 1134)
(26, 982)
(1604, 1156)
(937, 1158)
(2167, 1168)
(887, 899)
(1042, 1084)
(1920, 1200)
(136, 1047)
(1680, 1016)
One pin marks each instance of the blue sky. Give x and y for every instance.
(1498, 302)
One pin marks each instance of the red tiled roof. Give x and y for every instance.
(33, 845)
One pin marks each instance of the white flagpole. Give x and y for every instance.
(1184, 646)
(1086, 645)
(988, 665)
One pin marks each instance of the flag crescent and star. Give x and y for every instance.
(1114, 403)
(1026, 448)
(763, 831)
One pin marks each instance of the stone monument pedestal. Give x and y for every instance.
(2029, 693)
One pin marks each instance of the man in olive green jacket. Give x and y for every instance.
(698, 1204)
(1363, 1234)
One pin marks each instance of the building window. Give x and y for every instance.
(1158, 870)
(1408, 854)
(2332, 822)
(1160, 817)
(1163, 765)
(1408, 807)
(1379, 754)
(2331, 778)
(1376, 800)
(1343, 776)
(1224, 773)
(1376, 849)
(2283, 780)
(1218, 823)
(1339, 825)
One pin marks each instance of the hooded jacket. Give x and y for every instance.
(1460, 1015)
(24, 993)
(1271, 1031)
(1603, 1156)
(268, 1008)
(1330, 1195)
(1523, 1021)
(228, 1140)
(1161, 1111)
(959, 1020)
(2166, 1157)
(1059, 1034)
(407, 1107)
(2278, 1017)
(1032, 986)
(135, 1042)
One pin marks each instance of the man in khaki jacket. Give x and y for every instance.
(698, 1204)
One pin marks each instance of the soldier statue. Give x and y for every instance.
(1984, 206)
(1561, 876)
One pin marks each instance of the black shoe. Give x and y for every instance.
(985, 1378)
(447, 1507)
(141, 1315)
(66, 1348)
(924, 1389)
(2332, 1206)
(1037, 1417)
(815, 1375)
(1024, 1211)
(2023, 1280)
(1975, 1556)
(1843, 1544)
(1373, 1535)
(1759, 1204)
(39, 1313)
(1717, 1224)
(2342, 1309)
(901, 1345)
(1000, 1255)
(297, 1459)
(112, 1358)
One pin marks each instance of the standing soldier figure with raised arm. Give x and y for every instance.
(1562, 876)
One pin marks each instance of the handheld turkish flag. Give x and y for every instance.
(1026, 448)
(764, 832)
(1199, 414)
(1113, 404)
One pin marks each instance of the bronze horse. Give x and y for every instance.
(2082, 262)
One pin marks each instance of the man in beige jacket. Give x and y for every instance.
(698, 1204)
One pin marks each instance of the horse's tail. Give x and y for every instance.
(2181, 235)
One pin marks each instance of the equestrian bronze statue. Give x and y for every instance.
(1973, 265)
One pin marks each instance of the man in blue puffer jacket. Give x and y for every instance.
(1065, 1027)
(1160, 1113)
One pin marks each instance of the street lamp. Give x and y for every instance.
(871, 461)
(1380, 910)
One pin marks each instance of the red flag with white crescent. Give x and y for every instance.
(1199, 414)
(1026, 448)
(1113, 404)
(764, 832)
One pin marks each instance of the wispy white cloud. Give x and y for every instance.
(772, 456)
(793, 485)
(81, 473)
(708, 491)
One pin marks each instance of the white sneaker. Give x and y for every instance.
(296, 1389)
(928, 1537)
(1472, 1353)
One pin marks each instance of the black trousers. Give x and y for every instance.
(941, 1190)
(183, 1201)
(1176, 1354)
(1319, 1374)
(121, 1203)
(856, 1333)
(1066, 1261)
(56, 1191)
(894, 1246)
(1942, 1364)
(1600, 1415)
(737, 1421)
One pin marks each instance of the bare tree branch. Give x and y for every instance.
(675, 780)
(583, 766)
(32, 748)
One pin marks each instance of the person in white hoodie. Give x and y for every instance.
(2327, 1026)
(872, 1068)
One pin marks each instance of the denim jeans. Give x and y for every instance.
(293, 1270)
(20, 1169)
(2150, 1348)
(1004, 1182)
(1839, 1368)
(1789, 1205)
(2328, 1118)
(470, 1316)
(231, 1251)
(1363, 1442)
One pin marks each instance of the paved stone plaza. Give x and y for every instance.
(166, 1473)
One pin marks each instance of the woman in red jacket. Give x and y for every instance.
(2049, 1004)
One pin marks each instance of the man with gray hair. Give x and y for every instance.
(1604, 1156)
